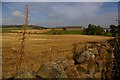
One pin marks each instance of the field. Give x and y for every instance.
(64, 32)
(40, 48)
(11, 29)
(40, 31)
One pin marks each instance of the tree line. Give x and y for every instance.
(20, 26)
(98, 30)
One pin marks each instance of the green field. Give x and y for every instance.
(48, 32)
(6, 29)
(64, 32)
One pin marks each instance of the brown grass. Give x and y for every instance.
(40, 48)
(33, 31)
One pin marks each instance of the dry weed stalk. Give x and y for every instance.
(22, 45)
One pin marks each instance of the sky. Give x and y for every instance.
(60, 0)
(0, 13)
(56, 14)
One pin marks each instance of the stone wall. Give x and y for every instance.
(95, 61)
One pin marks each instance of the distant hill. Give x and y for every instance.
(20, 26)
(12, 28)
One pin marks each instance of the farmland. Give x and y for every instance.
(64, 32)
(40, 48)
(40, 31)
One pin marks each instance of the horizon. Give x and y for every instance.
(53, 14)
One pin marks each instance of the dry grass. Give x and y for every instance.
(33, 31)
(39, 49)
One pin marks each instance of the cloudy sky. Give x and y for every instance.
(60, 0)
(52, 14)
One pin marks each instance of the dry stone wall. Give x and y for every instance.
(95, 61)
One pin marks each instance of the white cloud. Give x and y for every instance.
(17, 13)
(74, 11)
(104, 20)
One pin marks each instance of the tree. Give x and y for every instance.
(114, 30)
(99, 30)
(119, 31)
(64, 28)
(94, 30)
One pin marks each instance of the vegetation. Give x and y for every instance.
(58, 48)
(91, 30)
(8, 28)
(64, 28)
(115, 30)
(96, 30)
(115, 43)
(64, 32)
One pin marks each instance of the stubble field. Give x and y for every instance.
(39, 49)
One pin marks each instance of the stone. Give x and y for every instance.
(97, 75)
(100, 64)
(93, 50)
(93, 57)
(72, 72)
(92, 71)
(87, 46)
(109, 73)
(84, 56)
(97, 57)
(90, 63)
(98, 45)
(51, 70)
(66, 63)
(103, 53)
(69, 68)
(103, 43)
(96, 67)
(26, 74)
(82, 68)
(83, 76)
(108, 48)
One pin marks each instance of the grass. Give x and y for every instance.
(64, 32)
(9, 29)
(46, 31)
